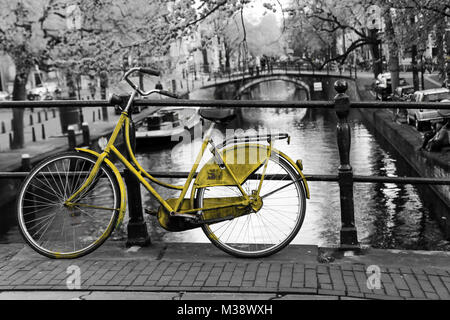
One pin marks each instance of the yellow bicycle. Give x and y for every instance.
(249, 198)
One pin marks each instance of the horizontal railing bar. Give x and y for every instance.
(309, 177)
(401, 180)
(399, 105)
(225, 104)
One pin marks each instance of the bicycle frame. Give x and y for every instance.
(137, 170)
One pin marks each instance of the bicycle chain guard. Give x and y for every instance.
(176, 223)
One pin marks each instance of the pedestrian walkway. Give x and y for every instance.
(179, 269)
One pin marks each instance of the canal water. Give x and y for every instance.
(387, 215)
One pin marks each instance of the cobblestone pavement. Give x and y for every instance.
(158, 272)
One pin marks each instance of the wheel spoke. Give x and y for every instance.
(54, 229)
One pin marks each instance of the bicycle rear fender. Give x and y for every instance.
(123, 194)
(243, 160)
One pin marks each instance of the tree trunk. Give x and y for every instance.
(103, 87)
(205, 68)
(443, 42)
(415, 70)
(440, 52)
(394, 66)
(376, 59)
(19, 93)
(69, 115)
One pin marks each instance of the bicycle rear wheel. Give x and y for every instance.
(273, 226)
(59, 231)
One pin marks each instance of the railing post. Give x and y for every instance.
(86, 135)
(43, 131)
(26, 162)
(137, 228)
(71, 137)
(349, 236)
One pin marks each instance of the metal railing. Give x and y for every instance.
(344, 177)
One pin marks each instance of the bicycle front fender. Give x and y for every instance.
(123, 194)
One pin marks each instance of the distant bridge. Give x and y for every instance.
(318, 85)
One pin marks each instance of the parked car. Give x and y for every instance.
(4, 96)
(403, 93)
(383, 86)
(423, 118)
(45, 91)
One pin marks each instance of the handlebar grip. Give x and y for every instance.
(114, 99)
(150, 71)
(169, 94)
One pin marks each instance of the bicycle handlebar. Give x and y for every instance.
(150, 72)
(168, 94)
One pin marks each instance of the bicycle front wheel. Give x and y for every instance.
(59, 231)
(269, 229)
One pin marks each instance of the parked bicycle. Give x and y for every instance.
(249, 198)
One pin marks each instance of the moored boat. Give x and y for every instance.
(166, 125)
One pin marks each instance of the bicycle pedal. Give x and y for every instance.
(151, 212)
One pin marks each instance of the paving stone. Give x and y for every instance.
(350, 281)
(325, 286)
(361, 280)
(399, 281)
(426, 286)
(140, 280)
(212, 281)
(439, 287)
(404, 293)
(414, 286)
(261, 276)
(310, 278)
(390, 289)
(433, 296)
(324, 278)
(163, 280)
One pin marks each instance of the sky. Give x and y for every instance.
(255, 10)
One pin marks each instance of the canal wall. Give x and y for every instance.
(406, 141)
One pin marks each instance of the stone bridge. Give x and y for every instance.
(317, 85)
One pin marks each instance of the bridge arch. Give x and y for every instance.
(256, 81)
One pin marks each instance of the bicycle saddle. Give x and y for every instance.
(218, 115)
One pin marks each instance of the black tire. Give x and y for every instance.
(409, 121)
(257, 250)
(77, 230)
(419, 124)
